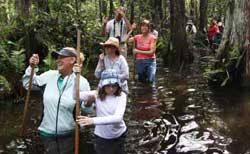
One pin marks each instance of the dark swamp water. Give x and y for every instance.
(180, 115)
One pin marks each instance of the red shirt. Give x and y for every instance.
(212, 31)
(144, 45)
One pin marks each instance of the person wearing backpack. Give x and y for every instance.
(212, 30)
(190, 27)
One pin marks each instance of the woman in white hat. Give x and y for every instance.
(111, 59)
(110, 129)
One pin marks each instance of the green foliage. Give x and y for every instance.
(4, 85)
(224, 74)
(161, 47)
(11, 61)
(50, 30)
(11, 67)
(49, 62)
(17, 59)
(4, 58)
(217, 8)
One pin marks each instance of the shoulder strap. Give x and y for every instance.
(114, 27)
(121, 27)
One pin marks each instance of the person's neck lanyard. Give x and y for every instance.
(60, 86)
(120, 28)
(61, 90)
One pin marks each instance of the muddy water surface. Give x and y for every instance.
(181, 114)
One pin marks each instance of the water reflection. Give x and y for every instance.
(59, 145)
(146, 103)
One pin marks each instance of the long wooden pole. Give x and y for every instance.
(77, 93)
(27, 102)
(134, 70)
(134, 60)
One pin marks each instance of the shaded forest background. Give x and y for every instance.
(43, 26)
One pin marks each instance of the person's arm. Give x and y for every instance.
(131, 40)
(194, 29)
(100, 66)
(117, 117)
(128, 24)
(149, 52)
(38, 80)
(85, 95)
(104, 23)
(124, 75)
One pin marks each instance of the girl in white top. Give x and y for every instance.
(110, 129)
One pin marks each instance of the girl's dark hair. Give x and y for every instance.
(102, 94)
(117, 52)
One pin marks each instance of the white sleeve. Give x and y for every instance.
(118, 115)
(84, 84)
(84, 95)
(109, 27)
(38, 80)
(194, 29)
(124, 69)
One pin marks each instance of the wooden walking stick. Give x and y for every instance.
(134, 60)
(134, 70)
(77, 93)
(27, 101)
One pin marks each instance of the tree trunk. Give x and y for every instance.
(203, 14)
(237, 35)
(77, 7)
(43, 5)
(103, 9)
(192, 12)
(132, 9)
(179, 53)
(111, 9)
(157, 12)
(121, 2)
(246, 45)
(23, 7)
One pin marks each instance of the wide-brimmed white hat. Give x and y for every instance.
(190, 22)
(109, 76)
(111, 41)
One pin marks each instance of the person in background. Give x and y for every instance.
(153, 30)
(191, 31)
(190, 27)
(111, 59)
(220, 26)
(118, 27)
(212, 30)
(144, 49)
(110, 128)
(57, 125)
